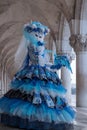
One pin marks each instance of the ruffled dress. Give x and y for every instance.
(36, 99)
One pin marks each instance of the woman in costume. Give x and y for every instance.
(36, 99)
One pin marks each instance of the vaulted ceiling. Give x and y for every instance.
(15, 13)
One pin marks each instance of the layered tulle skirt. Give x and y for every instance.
(36, 100)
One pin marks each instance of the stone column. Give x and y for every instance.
(79, 43)
(66, 81)
(66, 78)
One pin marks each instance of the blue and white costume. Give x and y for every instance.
(36, 99)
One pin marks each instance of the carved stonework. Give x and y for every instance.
(70, 55)
(78, 42)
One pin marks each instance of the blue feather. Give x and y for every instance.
(60, 61)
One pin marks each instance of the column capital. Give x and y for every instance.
(78, 42)
(69, 55)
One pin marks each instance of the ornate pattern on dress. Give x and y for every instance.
(37, 95)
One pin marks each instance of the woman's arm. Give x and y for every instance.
(61, 61)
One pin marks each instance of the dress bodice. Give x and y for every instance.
(37, 54)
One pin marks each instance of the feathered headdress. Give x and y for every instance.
(36, 27)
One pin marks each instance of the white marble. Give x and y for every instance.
(81, 64)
